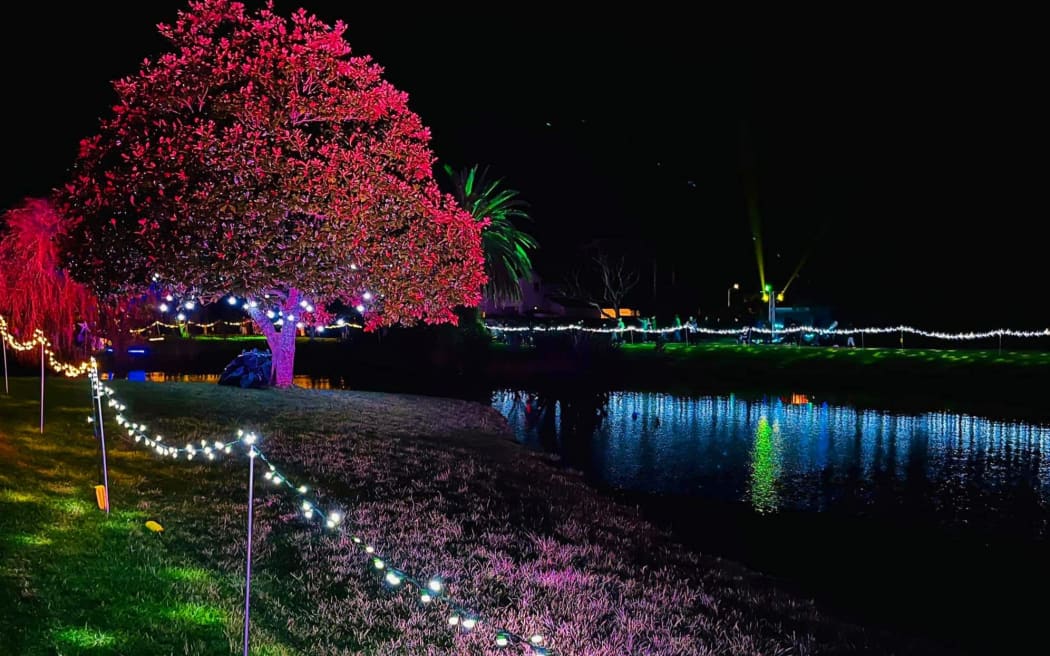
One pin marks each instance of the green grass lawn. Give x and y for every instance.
(436, 483)
(74, 581)
(786, 355)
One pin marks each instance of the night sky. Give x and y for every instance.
(906, 157)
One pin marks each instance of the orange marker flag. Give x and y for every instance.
(100, 496)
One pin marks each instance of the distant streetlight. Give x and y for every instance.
(729, 293)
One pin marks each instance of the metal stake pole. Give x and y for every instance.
(41, 387)
(248, 567)
(3, 340)
(96, 393)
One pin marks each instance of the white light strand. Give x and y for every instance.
(430, 589)
(203, 449)
(70, 370)
(966, 336)
(270, 314)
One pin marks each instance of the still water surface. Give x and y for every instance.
(785, 454)
(938, 510)
(797, 454)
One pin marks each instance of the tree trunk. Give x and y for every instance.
(281, 342)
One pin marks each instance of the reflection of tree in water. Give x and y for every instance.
(581, 416)
(765, 467)
(565, 424)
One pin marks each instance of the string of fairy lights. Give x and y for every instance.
(275, 314)
(340, 323)
(693, 330)
(39, 340)
(885, 330)
(278, 318)
(430, 589)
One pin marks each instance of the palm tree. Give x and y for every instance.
(506, 247)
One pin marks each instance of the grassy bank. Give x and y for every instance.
(1009, 384)
(436, 483)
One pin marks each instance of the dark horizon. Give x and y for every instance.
(901, 158)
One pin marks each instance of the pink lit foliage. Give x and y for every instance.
(258, 157)
(35, 292)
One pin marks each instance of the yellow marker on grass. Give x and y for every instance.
(100, 496)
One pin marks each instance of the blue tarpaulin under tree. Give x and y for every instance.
(250, 369)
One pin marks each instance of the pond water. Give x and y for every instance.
(881, 516)
(851, 506)
(796, 453)
(305, 381)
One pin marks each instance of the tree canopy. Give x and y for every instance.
(259, 157)
(506, 246)
(35, 292)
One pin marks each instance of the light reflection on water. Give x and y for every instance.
(308, 382)
(790, 454)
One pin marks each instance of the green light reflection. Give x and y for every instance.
(765, 467)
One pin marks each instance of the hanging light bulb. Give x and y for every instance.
(393, 578)
(232, 300)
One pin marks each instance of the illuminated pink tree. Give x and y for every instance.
(35, 292)
(259, 158)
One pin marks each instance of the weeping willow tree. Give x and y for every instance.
(35, 292)
(506, 246)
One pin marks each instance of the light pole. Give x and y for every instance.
(729, 293)
(768, 295)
